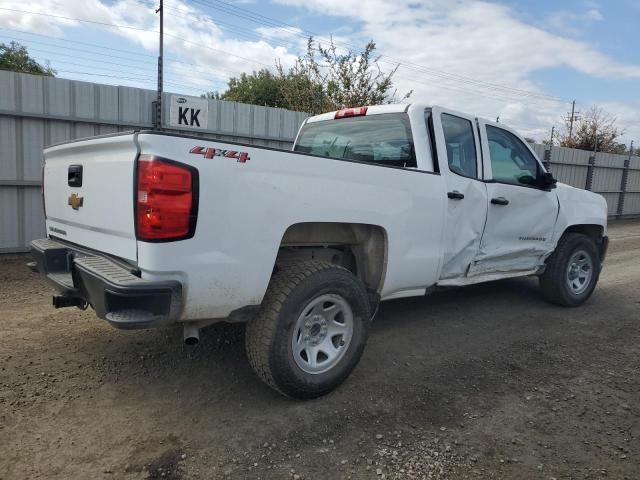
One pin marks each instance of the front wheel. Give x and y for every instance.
(311, 329)
(572, 271)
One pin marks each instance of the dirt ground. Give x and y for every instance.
(483, 382)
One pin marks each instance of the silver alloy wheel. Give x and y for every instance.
(579, 272)
(322, 333)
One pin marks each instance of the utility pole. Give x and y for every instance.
(498, 119)
(553, 130)
(572, 118)
(157, 123)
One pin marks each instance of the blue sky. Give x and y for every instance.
(522, 60)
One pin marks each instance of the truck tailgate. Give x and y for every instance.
(88, 193)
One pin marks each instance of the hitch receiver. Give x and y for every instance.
(61, 301)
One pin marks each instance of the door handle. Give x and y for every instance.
(500, 201)
(455, 195)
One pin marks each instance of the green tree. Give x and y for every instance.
(321, 80)
(212, 95)
(325, 79)
(15, 57)
(259, 88)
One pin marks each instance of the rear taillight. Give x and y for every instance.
(166, 200)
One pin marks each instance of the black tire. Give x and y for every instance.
(553, 282)
(268, 339)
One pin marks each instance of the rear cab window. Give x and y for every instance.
(381, 139)
(461, 146)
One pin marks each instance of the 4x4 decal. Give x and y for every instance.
(209, 152)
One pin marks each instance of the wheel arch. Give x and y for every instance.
(362, 248)
(594, 231)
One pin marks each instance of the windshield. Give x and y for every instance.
(383, 139)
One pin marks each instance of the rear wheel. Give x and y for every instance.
(572, 271)
(311, 329)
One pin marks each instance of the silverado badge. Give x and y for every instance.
(75, 201)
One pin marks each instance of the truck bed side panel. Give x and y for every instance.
(246, 207)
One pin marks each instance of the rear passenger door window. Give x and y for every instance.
(461, 145)
(458, 148)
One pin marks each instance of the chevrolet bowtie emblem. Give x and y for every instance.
(75, 201)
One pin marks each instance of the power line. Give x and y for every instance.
(101, 62)
(51, 37)
(113, 25)
(225, 52)
(255, 17)
(495, 96)
(171, 59)
(231, 27)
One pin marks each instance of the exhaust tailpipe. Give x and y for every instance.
(191, 335)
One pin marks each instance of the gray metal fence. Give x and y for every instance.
(38, 111)
(615, 177)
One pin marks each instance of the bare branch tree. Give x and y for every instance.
(595, 130)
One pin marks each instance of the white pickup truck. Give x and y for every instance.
(374, 203)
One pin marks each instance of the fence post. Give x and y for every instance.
(623, 183)
(590, 167)
(547, 159)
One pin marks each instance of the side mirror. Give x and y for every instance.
(546, 180)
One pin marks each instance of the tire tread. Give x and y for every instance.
(261, 330)
(553, 276)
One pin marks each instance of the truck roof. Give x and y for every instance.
(390, 108)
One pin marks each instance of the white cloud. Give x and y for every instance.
(191, 35)
(455, 44)
(574, 23)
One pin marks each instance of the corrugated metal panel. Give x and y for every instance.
(606, 180)
(273, 122)
(31, 96)
(32, 214)
(108, 108)
(633, 180)
(8, 89)
(632, 204)
(228, 115)
(244, 119)
(9, 219)
(574, 175)
(8, 148)
(612, 202)
(57, 93)
(84, 100)
(32, 144)
(610, 159)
